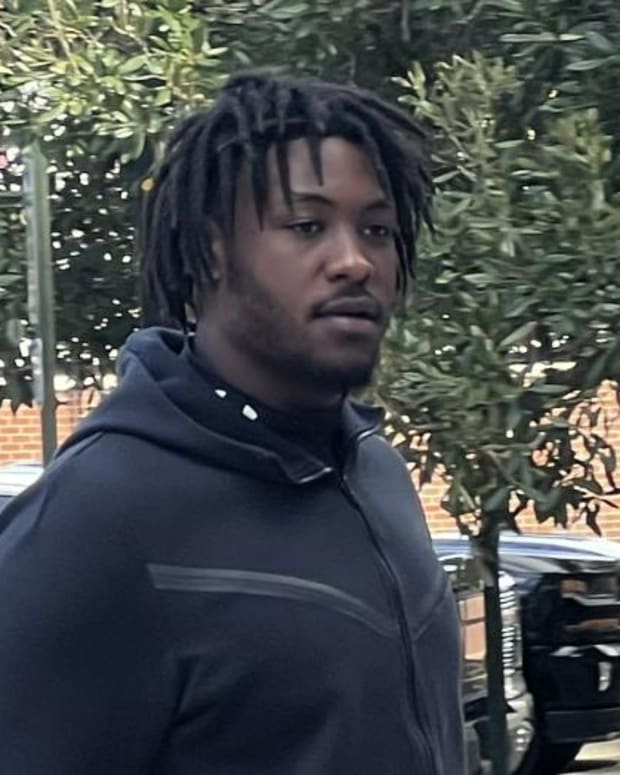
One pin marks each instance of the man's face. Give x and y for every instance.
(308, 295)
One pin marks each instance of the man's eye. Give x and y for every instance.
(306, 228)
(378, 231)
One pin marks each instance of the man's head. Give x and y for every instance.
(284, 221)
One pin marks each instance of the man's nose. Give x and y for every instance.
(347, 260)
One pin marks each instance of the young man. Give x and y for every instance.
(226, 570)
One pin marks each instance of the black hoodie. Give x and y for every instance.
(188, 592)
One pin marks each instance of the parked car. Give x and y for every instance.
(468, 588)
(13, 479)
(569, 589)
(468, 591)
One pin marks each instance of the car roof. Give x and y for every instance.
(577, 544)
(15, 477)
(545, 545)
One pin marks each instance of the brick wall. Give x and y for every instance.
(20, 433)
(609, 518)
(20, 440)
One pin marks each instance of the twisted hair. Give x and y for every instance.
(197, 182)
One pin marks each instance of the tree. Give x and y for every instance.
(101, 81)
(98, 84)
(511, 328)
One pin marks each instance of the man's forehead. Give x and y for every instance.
(342, 163)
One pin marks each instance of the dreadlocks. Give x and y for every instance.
(197, 182)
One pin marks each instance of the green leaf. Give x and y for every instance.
(600, 42)
(534, 37)
(163, 97)
(519, 334)
(591, 485)
(478, 278)
(569, 37)
(583, 65)
(610, 461)
(447, 176)
(123, 131)
(139, 140)
(497, 499)
(9, 279)
(132, 64)
(459, 208)
(508, 144)
(13, 331)
(283, 9)
(19, 391)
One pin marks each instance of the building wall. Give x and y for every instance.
(20, 440)
(609, 517)
(20, 433)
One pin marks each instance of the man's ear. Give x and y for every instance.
(218, 251)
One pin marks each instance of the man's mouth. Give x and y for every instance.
(362, 307)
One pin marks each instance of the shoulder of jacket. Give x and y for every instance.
(381, 446)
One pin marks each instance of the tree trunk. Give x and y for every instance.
(487, 551)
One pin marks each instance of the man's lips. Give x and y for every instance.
(364, 307)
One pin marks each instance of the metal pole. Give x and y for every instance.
(41, 292)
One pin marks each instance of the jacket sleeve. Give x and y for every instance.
(83, 685)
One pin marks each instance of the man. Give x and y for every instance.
(226, 569)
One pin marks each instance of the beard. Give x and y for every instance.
(263, 328)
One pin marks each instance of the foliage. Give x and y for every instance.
(98, 83)
(12, 283)
(513, 321)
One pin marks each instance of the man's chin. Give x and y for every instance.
(345, 376)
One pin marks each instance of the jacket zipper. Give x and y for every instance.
(417, 728)
(180, 578)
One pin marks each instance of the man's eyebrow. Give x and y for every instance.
(380, 204)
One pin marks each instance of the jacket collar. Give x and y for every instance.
(359, 422)
(164, 401)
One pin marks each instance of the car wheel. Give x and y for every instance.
(547, 758)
